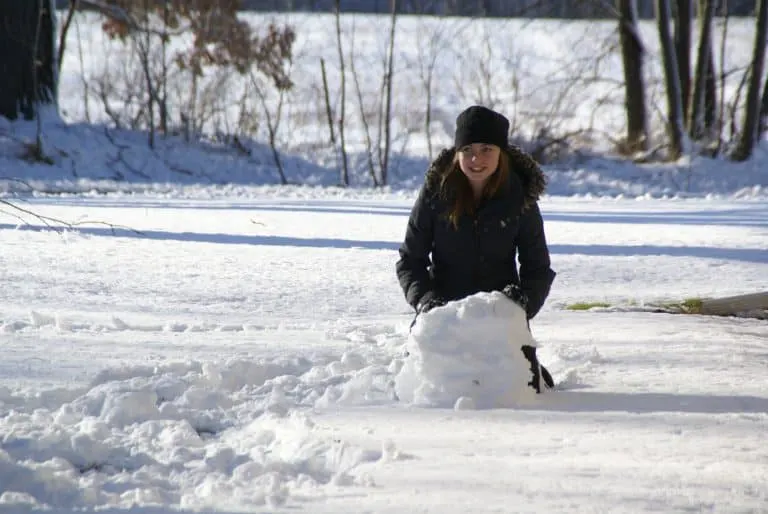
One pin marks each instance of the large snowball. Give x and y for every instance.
(468, 348)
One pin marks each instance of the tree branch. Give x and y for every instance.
(57, 224)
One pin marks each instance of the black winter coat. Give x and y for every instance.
(439, 260)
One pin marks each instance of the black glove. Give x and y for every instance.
(428, 303)
(517, 295)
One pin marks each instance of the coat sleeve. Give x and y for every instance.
(413, 266)
(536, 275)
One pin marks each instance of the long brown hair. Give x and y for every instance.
(455, 187)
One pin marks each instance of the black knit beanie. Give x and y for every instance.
(478, 124)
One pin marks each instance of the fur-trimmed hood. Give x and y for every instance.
(520, 163)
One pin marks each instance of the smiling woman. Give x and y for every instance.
(478, 162)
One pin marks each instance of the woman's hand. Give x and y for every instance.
(428, 303)
(517, 295)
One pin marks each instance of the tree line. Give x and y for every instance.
(695, 110)
(572, 9)
(219, 43)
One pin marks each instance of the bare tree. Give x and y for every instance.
(632, 53)
(27, 58)
(142, 43)
(388, 97)
(217, 37)
(328, 108)
(711, 104)
(361, 104)
(27, 62)
(764, 109)
(73, 5)
(428, 53)
(344, 179)
(84, 81)
(697, 107)
(674, 95)
(750, 132)
(723, 75)
(162, 100)
(683, 18)
(736, 103)
(273, 119)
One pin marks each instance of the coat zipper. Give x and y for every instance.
(479, 262)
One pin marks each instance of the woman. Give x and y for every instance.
(476, 212)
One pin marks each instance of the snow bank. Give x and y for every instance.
(467, 354)
(88, 160)
(197, 435)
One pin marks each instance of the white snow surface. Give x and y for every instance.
(243, 354)
(202, 339)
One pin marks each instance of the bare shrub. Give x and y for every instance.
(176, 44)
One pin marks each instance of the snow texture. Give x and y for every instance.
(244, 353)
(468, 352)
(201, 339)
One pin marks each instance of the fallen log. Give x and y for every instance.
(734, 305)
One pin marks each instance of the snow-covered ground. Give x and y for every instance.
(238, 353)
(203, 339)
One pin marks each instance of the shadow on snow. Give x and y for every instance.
(754, 217)
(310, 206)
(640, 403)
(751, 216)
(755, 255)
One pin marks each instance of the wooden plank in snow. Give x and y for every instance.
(731, 305)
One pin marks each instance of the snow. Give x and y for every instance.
(210, 363)
(206, 340)
(467, 354)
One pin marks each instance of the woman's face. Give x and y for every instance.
(479, 161)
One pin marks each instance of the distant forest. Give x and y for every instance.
(574, 9)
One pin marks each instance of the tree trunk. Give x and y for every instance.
(344, 179)
(674, 103)
(27, 58)
(764, 110)
(696, 109)
(632, 56)
(749, 130)
(722, 77)
(710, 97)
(388, 97)
(73, 6)
(683, 48)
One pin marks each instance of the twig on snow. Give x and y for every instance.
(57, 224)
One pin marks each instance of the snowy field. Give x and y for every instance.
(238, 354)
(204, 340)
